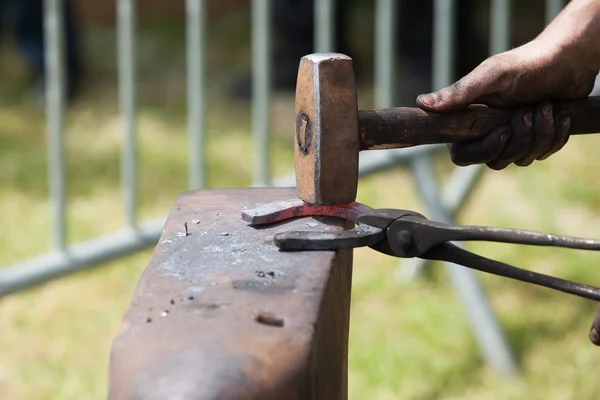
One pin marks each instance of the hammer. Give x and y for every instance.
(330, 131)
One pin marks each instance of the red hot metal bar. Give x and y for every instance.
(221, 313)
(285, 210)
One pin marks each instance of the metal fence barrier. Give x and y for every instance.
(134, 236)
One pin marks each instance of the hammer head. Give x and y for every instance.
(326, 133)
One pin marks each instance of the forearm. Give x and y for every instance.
(577, 31)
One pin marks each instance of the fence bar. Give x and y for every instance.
(55, 111)
(460, 186)
(454, 194)
(385, 52)
(324, 23)
(84, 255)
(261, 86)
(553, 7)
(484, 324)
(487, 331)
(126, 16)
(500, 26)
(196, 22)
(443, 43)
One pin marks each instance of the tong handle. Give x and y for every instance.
(429, 233)
(454, 254)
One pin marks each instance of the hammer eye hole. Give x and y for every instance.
(303, 133)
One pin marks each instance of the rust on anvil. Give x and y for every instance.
(222, 313)
(284, 210)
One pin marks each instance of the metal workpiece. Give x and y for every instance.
(222, 313)
(283, 210)
(363, 235)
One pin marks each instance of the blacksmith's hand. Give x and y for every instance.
(560, 64)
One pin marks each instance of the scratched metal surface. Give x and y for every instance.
(220, 312)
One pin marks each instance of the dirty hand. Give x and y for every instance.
(560, 64)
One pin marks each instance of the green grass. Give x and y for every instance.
(407, 340)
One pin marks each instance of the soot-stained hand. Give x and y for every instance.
(528, 78)
(534, 133)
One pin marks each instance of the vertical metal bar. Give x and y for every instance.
(460, 186)
(55, 111)
(456, 192)
(500, 26)
(261, 82)
(443, 43)
(484, 324)
(126, 27)
(486, 329)
(385, 52)
(553, 7)
(323, 18)
(442, 74)
(196, 22)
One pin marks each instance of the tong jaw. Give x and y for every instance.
(399, 243)
(363, 235)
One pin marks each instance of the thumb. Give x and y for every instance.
(460, 94)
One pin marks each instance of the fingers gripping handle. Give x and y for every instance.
(389, 128)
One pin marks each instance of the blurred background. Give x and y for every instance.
(126, 134)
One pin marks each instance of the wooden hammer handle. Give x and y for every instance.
(389, 128)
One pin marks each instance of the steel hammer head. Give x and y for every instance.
(326, 133)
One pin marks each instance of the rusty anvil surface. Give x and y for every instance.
(221, 313)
